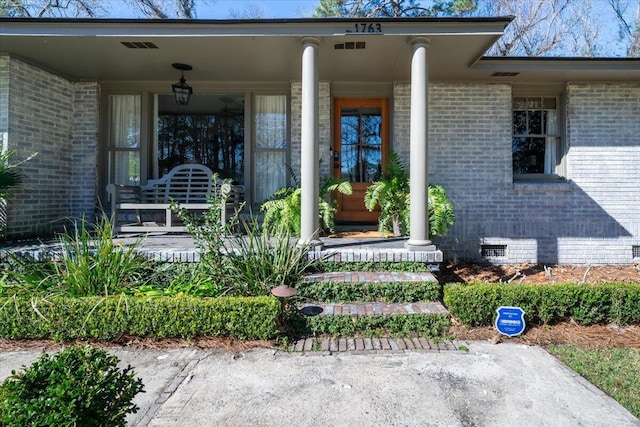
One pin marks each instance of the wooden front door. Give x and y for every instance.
(360, 144)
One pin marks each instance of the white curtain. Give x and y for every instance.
(125, 139)
(270, 123)
(550, 148)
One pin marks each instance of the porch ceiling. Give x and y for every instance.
(270, 50)
(264, 50)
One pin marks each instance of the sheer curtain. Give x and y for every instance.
(550, 148)
(270, 170)
(125, 139)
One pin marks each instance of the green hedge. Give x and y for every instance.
(476, 304)
(427, 325)
(64, 318)
(369, 291)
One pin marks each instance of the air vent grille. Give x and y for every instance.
(504, 74)
(635, 252)
(139, 45)
(350, 45)
(493, 251)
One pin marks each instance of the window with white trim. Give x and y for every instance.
(537, 147)
(270, 150)
(124, 139)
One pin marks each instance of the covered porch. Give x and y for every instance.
(311, 61)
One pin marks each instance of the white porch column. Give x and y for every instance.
(310, 169)
(419, 147)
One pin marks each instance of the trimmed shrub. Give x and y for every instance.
(369, 291)
(63, 318)
(79, 386)
(476, 304)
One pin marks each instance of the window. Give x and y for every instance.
(210, 130)
(124, 139)
(270, 155)
(536, 140)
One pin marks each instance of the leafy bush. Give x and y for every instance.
(79, 386)
(88, 263)
(407, 266)
(260, 263)
(244, 265)
(392, 194)
(476, 304)
(179, 279)
(369, 291)
(63, 318)
(283, 210)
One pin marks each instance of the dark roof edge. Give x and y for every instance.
(502, 19)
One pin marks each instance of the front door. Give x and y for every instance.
(360, 141)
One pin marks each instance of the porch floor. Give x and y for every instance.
(181, 248)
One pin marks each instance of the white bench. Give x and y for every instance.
(190, 185)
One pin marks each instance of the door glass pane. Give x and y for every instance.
(361, 143)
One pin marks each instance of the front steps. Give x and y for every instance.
(410, 338)
(383, 345)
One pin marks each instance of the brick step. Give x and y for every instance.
(370, 276)
(374, 345)
(372, 308)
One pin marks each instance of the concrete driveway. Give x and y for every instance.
(505, 384)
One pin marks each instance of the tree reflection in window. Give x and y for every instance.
(215, 139)
(535, 136)
(361, 143)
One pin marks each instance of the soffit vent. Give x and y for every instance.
(635, 252)
(139, 45)
(504, 74)
(350, 45)
(493, 251)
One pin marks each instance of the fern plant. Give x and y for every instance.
(393, 195)
(283, 211)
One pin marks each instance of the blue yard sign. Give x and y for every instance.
(510, 321)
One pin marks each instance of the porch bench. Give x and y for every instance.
(191, 185)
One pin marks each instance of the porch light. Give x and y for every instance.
(182, 90)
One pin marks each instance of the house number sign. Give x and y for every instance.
(363, 27)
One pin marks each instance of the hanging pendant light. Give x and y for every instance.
(181, 90)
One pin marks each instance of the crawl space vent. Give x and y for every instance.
(493, 251)
(139, 45)
(350, 45)
(504, 74)
(635, 252)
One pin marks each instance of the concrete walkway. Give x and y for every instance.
(505, 384)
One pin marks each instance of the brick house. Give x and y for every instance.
(540, 156)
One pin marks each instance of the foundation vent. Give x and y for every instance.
(139, 45)
(493, 251)
(504, 74)
(350, 45)
(635, 252)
